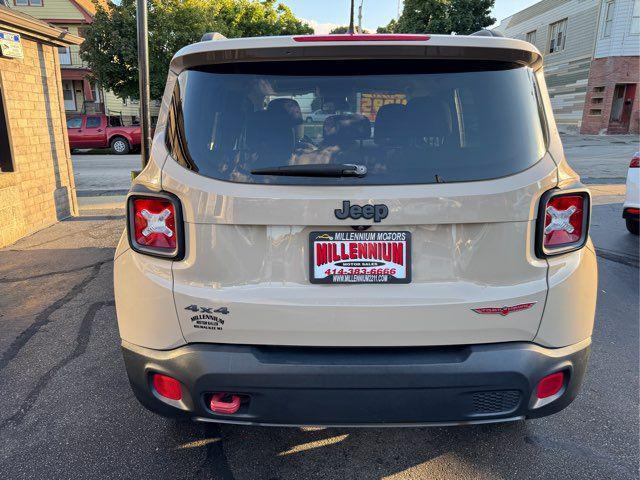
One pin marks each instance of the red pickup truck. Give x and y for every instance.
(101, 131)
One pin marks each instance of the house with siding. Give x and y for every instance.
(81, 93)
(565, 32)
(591, 50)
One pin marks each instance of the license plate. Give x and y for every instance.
(360, 257)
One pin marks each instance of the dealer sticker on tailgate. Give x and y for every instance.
(360, 257)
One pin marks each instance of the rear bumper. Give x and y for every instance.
(359, 386)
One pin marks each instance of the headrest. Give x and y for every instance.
(429, 117)
(346, 128)
(265, 131)
(391, 125)
(286, 108)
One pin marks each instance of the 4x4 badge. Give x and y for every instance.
(377, 212)
(504, 311)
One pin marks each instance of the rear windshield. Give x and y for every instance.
(406, 122)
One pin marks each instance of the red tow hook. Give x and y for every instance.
(219, 406)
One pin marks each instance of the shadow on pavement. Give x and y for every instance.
(610, 236)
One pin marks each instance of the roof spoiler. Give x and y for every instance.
(486, 33)
(209, 36)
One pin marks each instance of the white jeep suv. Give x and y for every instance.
(422, 260)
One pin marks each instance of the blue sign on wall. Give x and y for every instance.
(10, 45)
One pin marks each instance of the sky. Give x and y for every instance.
(323, 15)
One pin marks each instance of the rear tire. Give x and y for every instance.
(120, 146)
(632, 226)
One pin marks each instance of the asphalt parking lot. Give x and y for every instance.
(67, 410)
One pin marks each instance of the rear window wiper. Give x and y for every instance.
(314, 170)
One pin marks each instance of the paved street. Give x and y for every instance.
(104, 173)
(67, 410)
(102, 180)
(600, 158)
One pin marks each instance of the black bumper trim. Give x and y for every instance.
(230, 421)
(359, 386)
(627, 215)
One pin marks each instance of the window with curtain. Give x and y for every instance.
(557, 36)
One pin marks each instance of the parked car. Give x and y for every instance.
(437, 271)
(631, 207)
(96, 131)
(320, 116)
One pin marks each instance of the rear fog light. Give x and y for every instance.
(167, 387)
(550, 385)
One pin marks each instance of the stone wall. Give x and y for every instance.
(40, 191)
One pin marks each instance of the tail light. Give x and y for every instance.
(635, 162)
(563, 222)
(155, 225)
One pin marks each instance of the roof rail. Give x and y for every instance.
(487, 33)
(209, 36)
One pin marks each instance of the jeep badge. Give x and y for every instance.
(377, 212)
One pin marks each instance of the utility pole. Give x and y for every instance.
(143, 73)
(351, 18)
(360, 16)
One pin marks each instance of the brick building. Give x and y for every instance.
(591, 50)
(613, 100)
(36, 175)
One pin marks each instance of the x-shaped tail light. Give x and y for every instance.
(560, 219)
(155, 225)
(563, 222)
(156, 222)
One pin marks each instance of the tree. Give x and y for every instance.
(342, 29)
(345, 29)
(110, 46)
(391, 27)
(442, 16)
(468, 16)
(424, 16)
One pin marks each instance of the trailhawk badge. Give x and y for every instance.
(504, 311)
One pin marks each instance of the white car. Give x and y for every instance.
(631, 207)
(319, 116)
(436, 271)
